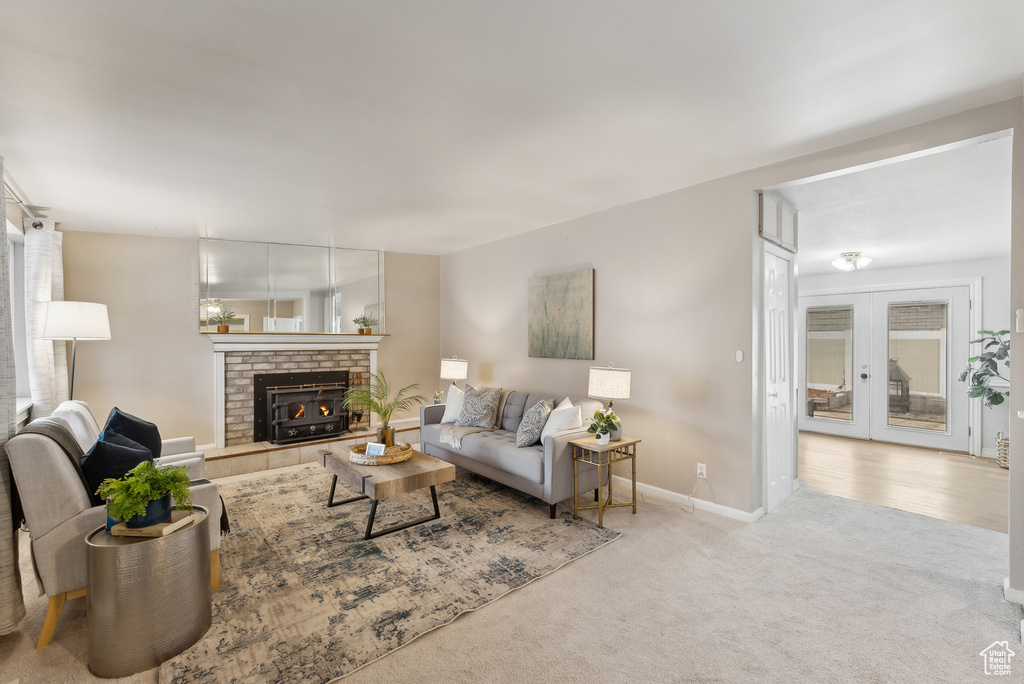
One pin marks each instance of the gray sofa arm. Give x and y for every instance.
(431, 414)
(196, 463)
(177, 445)
(558, 462)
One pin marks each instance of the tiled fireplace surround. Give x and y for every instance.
(239, 357)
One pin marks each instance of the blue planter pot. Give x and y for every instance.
(158, 511)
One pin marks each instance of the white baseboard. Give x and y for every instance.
(987, 452)
(675, 497)
(1012, 595)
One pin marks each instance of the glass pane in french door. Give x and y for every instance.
(830, 363)
(917, 365)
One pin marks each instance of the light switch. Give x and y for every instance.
(739, 356)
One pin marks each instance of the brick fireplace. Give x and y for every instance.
(240, 356)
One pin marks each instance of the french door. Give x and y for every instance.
(883, 366)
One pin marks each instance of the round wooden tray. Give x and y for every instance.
(393, 454)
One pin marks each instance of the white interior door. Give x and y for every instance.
(833, 376)
(779, 428)
(921, 338)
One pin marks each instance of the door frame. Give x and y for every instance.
(975, 310)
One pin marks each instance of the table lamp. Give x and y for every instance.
(608, 382)
(454, 369)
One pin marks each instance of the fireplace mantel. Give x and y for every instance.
(228, 343)
(291, 341)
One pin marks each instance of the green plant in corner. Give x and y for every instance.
(979, 378)
(146, 482)
(604, 422)
(379, 399)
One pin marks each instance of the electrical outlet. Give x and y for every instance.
(702, 471)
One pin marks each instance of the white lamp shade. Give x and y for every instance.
(454, 369)
(609, 383)
(74, 320)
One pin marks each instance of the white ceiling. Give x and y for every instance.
(432, 126)
(952, 205)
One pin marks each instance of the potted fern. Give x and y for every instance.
(986, 382)
(379, 398)
(143, 496)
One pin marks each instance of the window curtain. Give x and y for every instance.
(12, 606)
(44, 282)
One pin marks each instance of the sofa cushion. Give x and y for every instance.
(111, 456)
(136, 429)
(562, 418)
(512, 414)
(533, 423)
(497, 449)
(480, 409)
(453, 404)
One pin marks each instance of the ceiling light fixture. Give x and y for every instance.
(850, 261)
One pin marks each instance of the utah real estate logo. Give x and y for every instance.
(997, 658)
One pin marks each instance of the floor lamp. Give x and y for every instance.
(74, 321)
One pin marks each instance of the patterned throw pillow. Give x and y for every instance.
(533, 422)
(480, 409)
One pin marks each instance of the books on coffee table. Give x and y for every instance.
(178, 520)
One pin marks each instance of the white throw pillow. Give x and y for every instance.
(565, 417)
(453, 405)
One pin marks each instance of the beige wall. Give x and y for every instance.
(674, 288)
(412, 352)
(159, 367)
(156, 364)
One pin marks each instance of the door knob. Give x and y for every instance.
(863, 376)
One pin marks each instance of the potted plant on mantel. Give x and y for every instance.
(604, 423)
(378, 398)
(143, 496)
(365, 324)
(985, 382)
(221, 318)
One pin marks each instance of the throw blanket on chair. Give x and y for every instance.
(453, 434)
(57, 430)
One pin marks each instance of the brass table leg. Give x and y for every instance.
(575, 486)
(634, 482)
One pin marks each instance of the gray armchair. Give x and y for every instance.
(59, 513)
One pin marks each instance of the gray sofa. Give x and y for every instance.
(542, 470)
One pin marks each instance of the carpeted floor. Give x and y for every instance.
(822, 590)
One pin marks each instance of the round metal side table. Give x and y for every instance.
(149, 599)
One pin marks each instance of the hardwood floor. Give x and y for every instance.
(952, 487)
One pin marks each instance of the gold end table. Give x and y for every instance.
(587, 450)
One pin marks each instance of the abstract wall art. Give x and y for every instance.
(561, 316)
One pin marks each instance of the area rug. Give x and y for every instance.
(304, 598)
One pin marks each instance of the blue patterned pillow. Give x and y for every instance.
(533, 422)
(479, 409)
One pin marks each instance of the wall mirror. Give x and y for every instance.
(277, 288)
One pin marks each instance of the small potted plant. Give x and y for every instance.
(438, 395)
(603, 424)
(143, 496)
(363, 322)
(221, 318)
(378, 398)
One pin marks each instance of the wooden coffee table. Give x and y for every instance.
(379, 482)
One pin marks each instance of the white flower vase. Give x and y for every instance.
(616, 434)
(603, 438)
